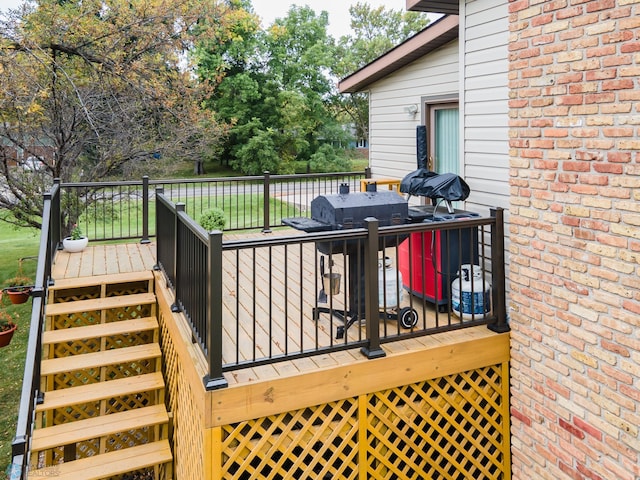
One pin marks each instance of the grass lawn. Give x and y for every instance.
(14, 244)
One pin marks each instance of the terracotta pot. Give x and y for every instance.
(72, 246)
(5, 337)
(18, 294)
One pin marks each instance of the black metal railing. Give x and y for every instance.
(124, 210)
(264, 300)
(31, 380)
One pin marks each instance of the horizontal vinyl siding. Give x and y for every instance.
(392, 132)
(486, 110)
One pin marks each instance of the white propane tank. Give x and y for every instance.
(388, 279)
(475, 300)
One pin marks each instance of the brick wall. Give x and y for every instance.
(575, 238)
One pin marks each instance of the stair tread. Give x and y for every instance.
(99, 304)
(98, 359)
(99, 330)
(109, 279)
(64, 434)
(111, 463)
(98, 391)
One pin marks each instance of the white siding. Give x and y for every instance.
(484, 32)
(392, 131)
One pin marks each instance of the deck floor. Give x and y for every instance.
(130, 257)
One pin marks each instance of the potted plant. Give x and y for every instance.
(76, 242)
(213, 219)
(7, 328)
(19, 288)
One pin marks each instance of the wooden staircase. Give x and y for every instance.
(103, 414)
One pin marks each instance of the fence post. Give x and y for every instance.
(371, 312)
(497, 262)
(214, 379)
(266, 187)
(145, 210)
(56, 216)
(367, 172)
(180, 208)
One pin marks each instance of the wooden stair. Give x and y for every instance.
(103, 413)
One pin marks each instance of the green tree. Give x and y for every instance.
(273, 89)
(375, 31)
(100, 89)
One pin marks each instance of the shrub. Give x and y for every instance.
(213, 219)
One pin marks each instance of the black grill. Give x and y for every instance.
(346, 210)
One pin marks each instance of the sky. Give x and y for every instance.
(338, 10)
(269, 10)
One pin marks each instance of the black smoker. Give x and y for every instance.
(347, 210)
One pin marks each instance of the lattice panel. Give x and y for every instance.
(129, 402)
(449, 428)
(320, 442)
(130, 438)
(128, 313)
(76, 378)
(188, 441)
(129, 339)
(75, 412)
(77, 347)
(76, 319)
(73, 294)
(117, 289)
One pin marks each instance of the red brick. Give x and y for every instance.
(600, 98)
(601, 74)
(571, 100)
(630, 47)
(570, 471)
(618, 132)
(588, 473)
(608, 168)
(601, 51)
(587, 428)
(576, 166)
(600, 5)
(576, 432)
(624, 84)
(616, 37)
(521, 416)
(569, 12)
(542, 20)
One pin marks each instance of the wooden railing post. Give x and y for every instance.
(373, 349)
(266, 190)
(497, 263)
(214, 380)
(145, 210)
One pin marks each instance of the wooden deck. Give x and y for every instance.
(274, 316)
(339, 413)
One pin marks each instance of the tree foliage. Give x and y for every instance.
(100, 89)
(273, 89)
(375, 31)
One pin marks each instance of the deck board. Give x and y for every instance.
(288, 319)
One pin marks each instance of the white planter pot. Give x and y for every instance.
(75, 245)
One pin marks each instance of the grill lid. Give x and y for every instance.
(348, 210)
(424, 183)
